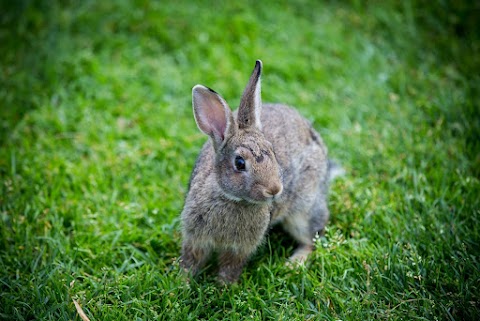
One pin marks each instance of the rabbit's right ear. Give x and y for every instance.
(212, 114)
(251, 102)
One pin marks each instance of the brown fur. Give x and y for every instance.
(286, 180)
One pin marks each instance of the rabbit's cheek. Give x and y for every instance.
(257, 193)
(234, 184)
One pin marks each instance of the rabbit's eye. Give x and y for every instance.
(239, 163)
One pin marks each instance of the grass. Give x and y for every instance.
(98, 139)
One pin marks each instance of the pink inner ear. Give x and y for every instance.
(219, 123)
(210, 113)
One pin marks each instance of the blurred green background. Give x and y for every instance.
(97, 141)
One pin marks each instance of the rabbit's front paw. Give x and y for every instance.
(193, 259)
(231, 265)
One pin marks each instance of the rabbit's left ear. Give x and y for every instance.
(212, 114)
(251, 102)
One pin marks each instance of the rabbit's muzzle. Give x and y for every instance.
(273, 191)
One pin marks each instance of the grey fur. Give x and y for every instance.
(286, 180)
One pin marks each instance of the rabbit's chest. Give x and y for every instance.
(236, 227)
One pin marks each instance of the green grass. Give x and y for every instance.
(98, 139)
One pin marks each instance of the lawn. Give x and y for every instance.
(98, 139)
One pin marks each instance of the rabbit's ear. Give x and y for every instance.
(251, 102)
(212, 114)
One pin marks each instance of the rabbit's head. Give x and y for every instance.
(245, 164)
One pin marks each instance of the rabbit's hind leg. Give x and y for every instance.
(303, 226)
(297, 225)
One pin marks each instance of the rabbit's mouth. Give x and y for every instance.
(257, 200)
(273, 192)
(266, 195)
(257, 195)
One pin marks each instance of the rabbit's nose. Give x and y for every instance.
(274, 190)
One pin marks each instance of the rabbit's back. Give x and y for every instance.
(302, 156)
(290, 133)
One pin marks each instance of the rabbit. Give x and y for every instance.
(263, 165)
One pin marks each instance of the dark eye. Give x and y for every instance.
(239, 163)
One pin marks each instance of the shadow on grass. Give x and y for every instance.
(444, 30)
(450, 30)
(26, 63)
(443, 35)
